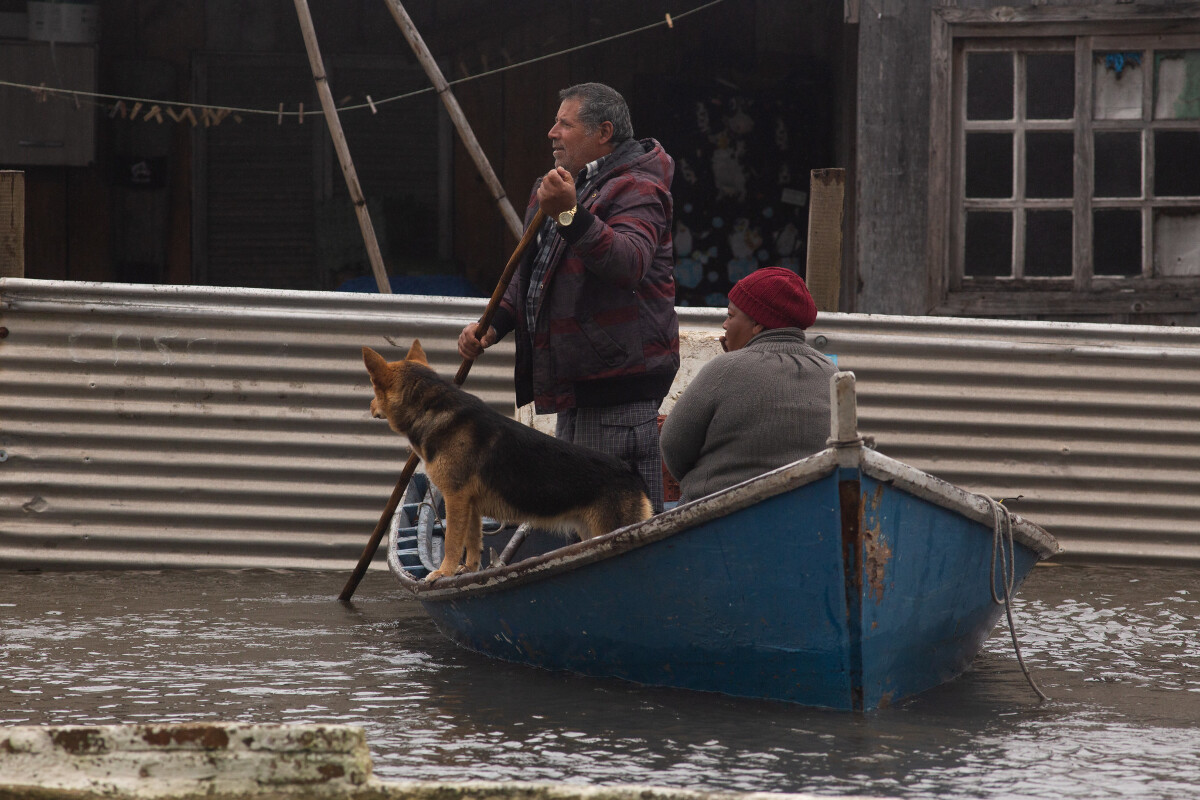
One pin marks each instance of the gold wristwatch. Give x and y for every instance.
(567, 217)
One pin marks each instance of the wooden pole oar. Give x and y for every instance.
(485, 321)
(343, 150)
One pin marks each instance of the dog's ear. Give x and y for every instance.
(376, 365)
(417, 353)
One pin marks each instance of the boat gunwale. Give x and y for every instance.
(972, 505)
(723, 503)
(622, 540)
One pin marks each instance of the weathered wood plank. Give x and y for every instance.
(941, 102)
(893, 159)
(826, 204)
(1073, 14)
(1062, 304)
(12, 224)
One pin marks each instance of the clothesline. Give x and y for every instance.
(202, 113)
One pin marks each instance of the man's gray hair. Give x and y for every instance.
(599, 103)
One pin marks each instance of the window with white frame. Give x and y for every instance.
(1076, 162)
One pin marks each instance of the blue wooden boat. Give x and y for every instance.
(845, 580)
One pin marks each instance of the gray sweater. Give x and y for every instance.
(748, 412)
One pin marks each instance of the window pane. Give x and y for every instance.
(989, 86)
(1049, 164)
(1118, 81)
(1118, 168)
(1050, 91)
(1117, 242)
(1177, 242)
(1177, 88)
(1048, 244)
(989, 165)
(1177, 163)
(989, 244)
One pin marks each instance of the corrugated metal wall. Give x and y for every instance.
(190, 426)
(193, 426)
(1097, 427)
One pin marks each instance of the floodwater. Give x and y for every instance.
(1116, 649)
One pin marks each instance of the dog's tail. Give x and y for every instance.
(642, 507)
(638, 479)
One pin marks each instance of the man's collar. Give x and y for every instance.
(591, 169)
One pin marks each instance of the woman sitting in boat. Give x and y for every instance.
(761, 404)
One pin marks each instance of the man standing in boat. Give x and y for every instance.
(593, 305)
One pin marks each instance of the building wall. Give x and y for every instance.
(892, 157)
(84, 224)
(914, 252)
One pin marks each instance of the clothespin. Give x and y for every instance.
(118, 108)
(136, 108)
(185, 114)
(371, 103)
(345, 100)
(670, 22)
(213, 116)
(39, 93)
(302, 113)
(155, 113)
(279, 119)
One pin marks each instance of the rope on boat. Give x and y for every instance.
(433, 509)
(1002, 534)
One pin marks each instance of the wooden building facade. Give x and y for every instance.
(745, 95)
(1022, 161)
(1035, 161)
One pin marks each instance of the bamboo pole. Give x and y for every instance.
(456, 114)
(343, 151)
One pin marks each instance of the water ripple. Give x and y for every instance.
(1116, 648)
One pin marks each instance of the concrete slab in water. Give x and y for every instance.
(225, 760)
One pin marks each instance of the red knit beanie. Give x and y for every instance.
(775, 297)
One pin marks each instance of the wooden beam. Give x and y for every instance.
(941, 146)
(826, 203)
(343, 150)
(12, 224)
(1041, 15)
(456, 114)
(1065, 303)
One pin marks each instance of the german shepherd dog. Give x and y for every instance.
(487, 464)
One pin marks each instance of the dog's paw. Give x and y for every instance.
(462, 568)
(437, 573)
